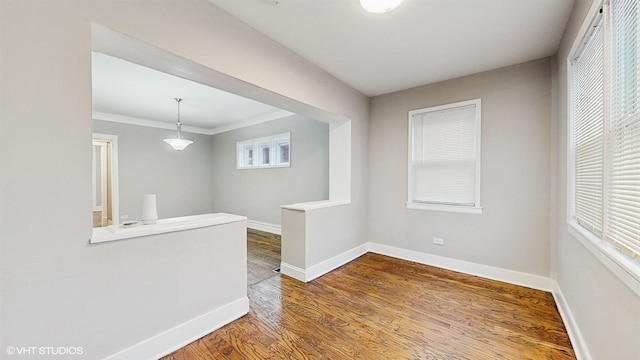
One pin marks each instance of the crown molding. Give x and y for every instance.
(146, 122)
(273, 115)
(130, 120)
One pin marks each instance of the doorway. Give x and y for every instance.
(104, 180)
(263, 255)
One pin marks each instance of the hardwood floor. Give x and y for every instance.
(263, 255)
(378, 307)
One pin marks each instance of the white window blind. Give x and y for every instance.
(623, 205)
(606, 128)
(444, 155)
(588, 130)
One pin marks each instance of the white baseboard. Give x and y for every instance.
(335, 262)
(485, 271)
(293, 271)
(263, 226)
(185, 333)
(575, 335)
(315, 271)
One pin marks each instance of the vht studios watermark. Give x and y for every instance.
(45, 350)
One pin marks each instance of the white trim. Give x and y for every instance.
(584, 29)
(274, 115)
(185, 333)
(324, 267)
(94, 198)
(263, 226)
(575, 335)
(293, 271)
(130, 120)
(147, 123)
(485, 271)
(489, 272)
(445, 208)
(335, 262)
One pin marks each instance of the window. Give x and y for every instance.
(282, 152)
(589, 130)
(263, 153)
(605, 132)
(245, 154)
(444, 158)
(271, 151)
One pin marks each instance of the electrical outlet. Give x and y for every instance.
(438, 241)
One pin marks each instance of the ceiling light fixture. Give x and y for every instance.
(178, 143)
(380, 6)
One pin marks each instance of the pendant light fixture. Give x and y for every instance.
(178, 143)
(380, 6)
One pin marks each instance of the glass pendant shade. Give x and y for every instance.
(380, 6)
(178, 143)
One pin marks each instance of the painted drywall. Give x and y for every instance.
(74, 294)
(181, 180)
(259, 193)
(513, 230)
(606, 313)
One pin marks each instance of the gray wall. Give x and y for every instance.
(181, 180)
(513, 231)
(203, 178)
(259, 193)
(606, 311)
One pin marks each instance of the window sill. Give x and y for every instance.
(263, 166)
(622, 267)
(445, 208)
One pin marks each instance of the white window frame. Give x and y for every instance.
(621, 265)
(273, 143)
(476, 208)
(278, 143)
(259, 148)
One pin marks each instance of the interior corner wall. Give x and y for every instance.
(258, 193)
(58, 290)
(513, 230)
(181, 180)
(604, 311)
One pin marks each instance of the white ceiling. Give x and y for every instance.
(129, 90)
(421, 42)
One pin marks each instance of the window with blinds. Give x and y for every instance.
(444, 157)
(623, 183)
(606, 128)
(588, 130)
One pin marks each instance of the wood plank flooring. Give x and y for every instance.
(378, 307)
(263, 255)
